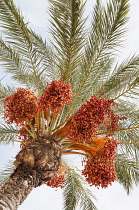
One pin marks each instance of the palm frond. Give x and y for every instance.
(14, 26)
(20, 70)
(5, 173)
(128, 132)
(127, 172)
(8, 133)
(132, 93)
(20, 40)
(13, 64)
(68, 32)
(5, 90)
(75, 193)
(123, 80)
(104, 38)
(47, 55)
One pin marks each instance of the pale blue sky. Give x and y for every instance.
(45, 198)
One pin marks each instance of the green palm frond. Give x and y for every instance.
(75, 193)
(5, 90)
(15, 28)
(21, 44)
(20, 70)
(104, 38)
(129, 142)
(17, 34)
(128, 134)
(127, 172)
(5, 173)
(47, 57)
(8, 133)
(123, 80)
(13, 64)
(68, 32)
(133, 93)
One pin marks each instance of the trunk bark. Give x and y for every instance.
(17, 188)
(36, 164)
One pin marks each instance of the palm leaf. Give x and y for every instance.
(47, 57)
(123, 80)
(16, 30)
(20, 40)
(127, 172)
(68, 32)
(128, 132)
(8, 133)
(13, 64)
(5, 173)
(5, 90)
(75, 193)
(104, 38)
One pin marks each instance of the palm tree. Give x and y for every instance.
(73, 98)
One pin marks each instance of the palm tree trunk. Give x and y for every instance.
(16, 189)
(35, 164)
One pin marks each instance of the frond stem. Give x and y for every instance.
(32, 129)
(122, 129)
(129, 143)
(126, 91)
(11, 140)
(75, 153)
(3, 94)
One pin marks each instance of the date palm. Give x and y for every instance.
(60, 82)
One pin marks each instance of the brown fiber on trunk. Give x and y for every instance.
(35, 164)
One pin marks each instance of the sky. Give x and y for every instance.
(42, 198)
